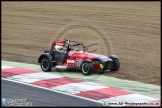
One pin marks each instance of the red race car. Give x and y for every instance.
(62, 55)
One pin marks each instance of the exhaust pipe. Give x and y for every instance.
(61, 67)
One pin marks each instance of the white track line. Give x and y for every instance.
(32, 77)
(74, 88)
(5, 67)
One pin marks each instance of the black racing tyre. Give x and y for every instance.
(87, 68)
(45, 64)
(116, 64)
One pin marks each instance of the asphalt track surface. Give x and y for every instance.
(41, 97)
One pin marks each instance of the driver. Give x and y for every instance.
(59, 48)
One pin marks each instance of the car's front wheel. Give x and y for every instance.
(45, 65)
(116, 64)
(87, 68)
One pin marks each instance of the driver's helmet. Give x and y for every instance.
(59, 48)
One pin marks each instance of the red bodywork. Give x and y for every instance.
(74, 58)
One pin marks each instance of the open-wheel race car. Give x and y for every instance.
(62, 55)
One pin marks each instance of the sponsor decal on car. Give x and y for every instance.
(70, 61)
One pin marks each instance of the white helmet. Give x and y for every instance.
(59, 48)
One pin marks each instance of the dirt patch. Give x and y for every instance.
(132, 28)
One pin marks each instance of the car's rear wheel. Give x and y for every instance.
(116, 64)
(87, 68)
(45, 65)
